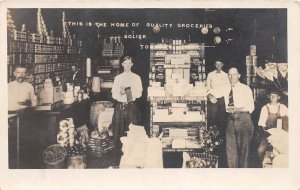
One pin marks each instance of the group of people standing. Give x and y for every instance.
(230, 104)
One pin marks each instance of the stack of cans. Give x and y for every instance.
(251, 66)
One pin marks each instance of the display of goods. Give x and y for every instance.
(275, 74)
(76, 157)
(159, 69)
(194, 76)
(96, 108)
(77, 162)
(210, 136)
(75, 150)
(20, 36)
(98, 146)
(54, 156)
(283, 69)
(202, 160)
(118, 51)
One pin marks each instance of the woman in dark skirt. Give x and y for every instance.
(127, 87)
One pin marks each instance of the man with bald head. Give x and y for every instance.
(239, 105)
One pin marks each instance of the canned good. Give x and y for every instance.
(248, 60)
(253, 50)
(248, 81)
(254, 67)
(153, 69)
(248, 70)
(155, 130)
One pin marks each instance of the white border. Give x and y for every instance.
(161, 178)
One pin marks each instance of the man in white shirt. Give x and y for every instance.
(20, 93)
(216, 112)
(239, 105)
(127, 87)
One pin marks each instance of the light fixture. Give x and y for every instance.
(217, 40)
(156, 29)
(217, 30)
(204, 30)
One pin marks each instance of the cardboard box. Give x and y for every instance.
(52, 94)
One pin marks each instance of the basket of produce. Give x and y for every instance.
(76, 157)
(94, 145)
(97, 145)
(54, 156)
(199, 160)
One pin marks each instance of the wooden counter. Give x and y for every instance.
(36, 130)
(13, 141)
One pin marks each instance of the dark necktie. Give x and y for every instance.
(231, 103)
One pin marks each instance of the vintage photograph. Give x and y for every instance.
(155, 95)
(147, 88)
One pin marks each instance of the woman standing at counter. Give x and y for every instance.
(127, 87)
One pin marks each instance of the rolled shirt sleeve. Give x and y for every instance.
(283, 110)
(208, 81)
(18, 93)
(242, 97)
(263, 117)
(138, 89)
(273, 109)
(249, 100)
(216, 82)
(116, 89)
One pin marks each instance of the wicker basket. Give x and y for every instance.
(98, 147)
(207, 160)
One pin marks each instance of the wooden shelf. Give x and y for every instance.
(159, 60)
(64, 53)
(50, 72)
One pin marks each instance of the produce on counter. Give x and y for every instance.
(75, 151)
(76, 157)
(54, 154)
(201, 163)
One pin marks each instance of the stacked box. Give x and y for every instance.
(251, 66)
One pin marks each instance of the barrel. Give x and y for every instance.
(96, 109)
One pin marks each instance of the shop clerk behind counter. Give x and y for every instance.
(20, 93)
(127, 87)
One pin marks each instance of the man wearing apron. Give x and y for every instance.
(127, 87)
(268, 118)
(216, 111)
